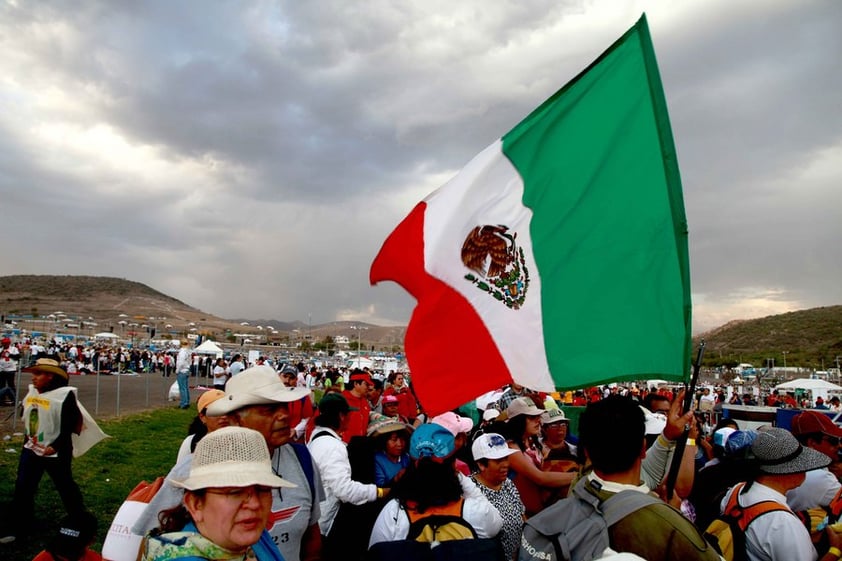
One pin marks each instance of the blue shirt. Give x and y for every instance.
(385, 469)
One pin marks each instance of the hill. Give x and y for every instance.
(51, 303)
(807, 338)
(810, 338)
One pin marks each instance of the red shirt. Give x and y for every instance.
(406, 402)
(300, 409)
(357, 420)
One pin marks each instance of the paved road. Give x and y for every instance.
(107, 396)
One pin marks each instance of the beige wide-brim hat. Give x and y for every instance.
(258, 385)
(231, 457)
(47, 365)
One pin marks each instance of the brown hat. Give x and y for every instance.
(812, 422)
(47, 365)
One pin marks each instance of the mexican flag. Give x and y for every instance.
(556, 258)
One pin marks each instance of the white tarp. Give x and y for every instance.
(808, 384)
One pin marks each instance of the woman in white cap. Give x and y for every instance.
(523, 428)
(491, 454)
(227, 499)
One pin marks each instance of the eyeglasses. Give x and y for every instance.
(242, 494)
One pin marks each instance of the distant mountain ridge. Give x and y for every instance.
(809, 338)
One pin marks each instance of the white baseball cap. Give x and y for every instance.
(490, 446)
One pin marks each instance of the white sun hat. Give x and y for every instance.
(231, 457)
(258, 385)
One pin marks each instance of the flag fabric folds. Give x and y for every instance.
(557, 258)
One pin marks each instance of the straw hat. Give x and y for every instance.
(779, 453)
(381, 424)
(231, 457)
(48, 365)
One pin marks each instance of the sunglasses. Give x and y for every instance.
(833, 440)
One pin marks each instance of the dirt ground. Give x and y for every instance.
(107, 396)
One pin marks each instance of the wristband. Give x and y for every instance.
(665, 442)
(691, 442)
(835, 551)
(381, 492)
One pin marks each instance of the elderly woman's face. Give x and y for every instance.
(231, 517)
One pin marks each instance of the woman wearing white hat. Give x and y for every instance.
(491, 454)
(227, 499)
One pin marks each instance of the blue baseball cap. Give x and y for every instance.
(431, 441)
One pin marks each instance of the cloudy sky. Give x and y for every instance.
(249, 158)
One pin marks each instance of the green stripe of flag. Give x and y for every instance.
(609, 232)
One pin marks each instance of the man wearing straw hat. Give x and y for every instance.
(256, 398)
(56, 428)
(782, 464)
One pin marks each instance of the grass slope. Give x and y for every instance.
(141, 447)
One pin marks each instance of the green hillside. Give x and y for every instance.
(807, 338)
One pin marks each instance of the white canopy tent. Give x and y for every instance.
(208, 348)
(105, 335)
(817, 388)
(809, 384)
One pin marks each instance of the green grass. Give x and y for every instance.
(141, 447)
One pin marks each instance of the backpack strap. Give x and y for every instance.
(745, 515)
(617, 506)
(306, 461)
(321, 434)
(621, 504)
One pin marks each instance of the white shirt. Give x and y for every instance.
(393, 523)
(182, 361)
(818, 489)
(331, 457)
(775, 536)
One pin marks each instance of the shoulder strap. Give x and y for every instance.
(620, 505)
(320, 434)
(615, 507)
(745, 515)
(306, 461)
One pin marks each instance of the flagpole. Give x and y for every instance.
(681, 443)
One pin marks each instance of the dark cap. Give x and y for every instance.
(334, 403)
(289, 370)
(812, 422)
(74, 535)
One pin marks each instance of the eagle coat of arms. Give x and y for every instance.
(493, 254)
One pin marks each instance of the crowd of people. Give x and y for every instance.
(270, 472)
